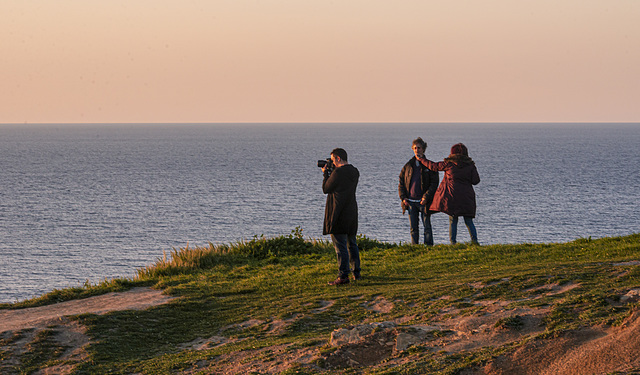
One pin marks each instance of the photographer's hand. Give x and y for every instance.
(326, 172)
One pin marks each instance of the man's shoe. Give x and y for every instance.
(357, 277)
(339, 281)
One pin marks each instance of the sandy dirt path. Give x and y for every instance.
(43, 316)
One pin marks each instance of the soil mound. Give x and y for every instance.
(587, 351)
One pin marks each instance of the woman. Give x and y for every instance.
(455, 195)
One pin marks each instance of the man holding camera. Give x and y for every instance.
(341, 213)
(416, 188)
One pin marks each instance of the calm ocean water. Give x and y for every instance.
(85, 203)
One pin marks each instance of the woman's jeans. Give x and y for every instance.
(416, 211)
(453, 228)
(348, 254)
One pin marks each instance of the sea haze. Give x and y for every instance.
(91, 202)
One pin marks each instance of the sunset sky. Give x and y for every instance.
(90, 61)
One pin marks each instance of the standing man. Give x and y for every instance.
(416, 188)
(341, 213)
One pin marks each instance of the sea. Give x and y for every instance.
(83, 203)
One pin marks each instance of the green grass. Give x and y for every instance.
(285, 278)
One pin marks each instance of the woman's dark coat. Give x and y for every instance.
(455, 195)
(341, 210)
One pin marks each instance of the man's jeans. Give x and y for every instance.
(453, 228)
(416, 210)
(348, 253)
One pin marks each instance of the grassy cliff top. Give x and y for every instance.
(264, 306)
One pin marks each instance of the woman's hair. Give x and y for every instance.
(418, 141)
(459, 148)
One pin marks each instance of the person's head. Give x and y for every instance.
(419, 146)
(459, 148)
(339, 157)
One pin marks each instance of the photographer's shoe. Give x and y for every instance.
(339, 281)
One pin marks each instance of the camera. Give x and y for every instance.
(328, 163)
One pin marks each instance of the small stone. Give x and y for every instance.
(631, 295)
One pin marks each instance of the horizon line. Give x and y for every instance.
(317, 122)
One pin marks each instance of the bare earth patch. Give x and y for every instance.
(380, 305)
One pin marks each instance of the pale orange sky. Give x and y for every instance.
(78, 61)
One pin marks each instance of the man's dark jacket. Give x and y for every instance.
(429, 181)
(341, 210)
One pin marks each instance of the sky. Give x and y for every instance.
(189, 61)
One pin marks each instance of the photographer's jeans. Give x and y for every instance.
(416, 212)
(453, 228)
(348, 254)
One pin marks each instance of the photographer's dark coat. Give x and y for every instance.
(341, 210)
(455, 195)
